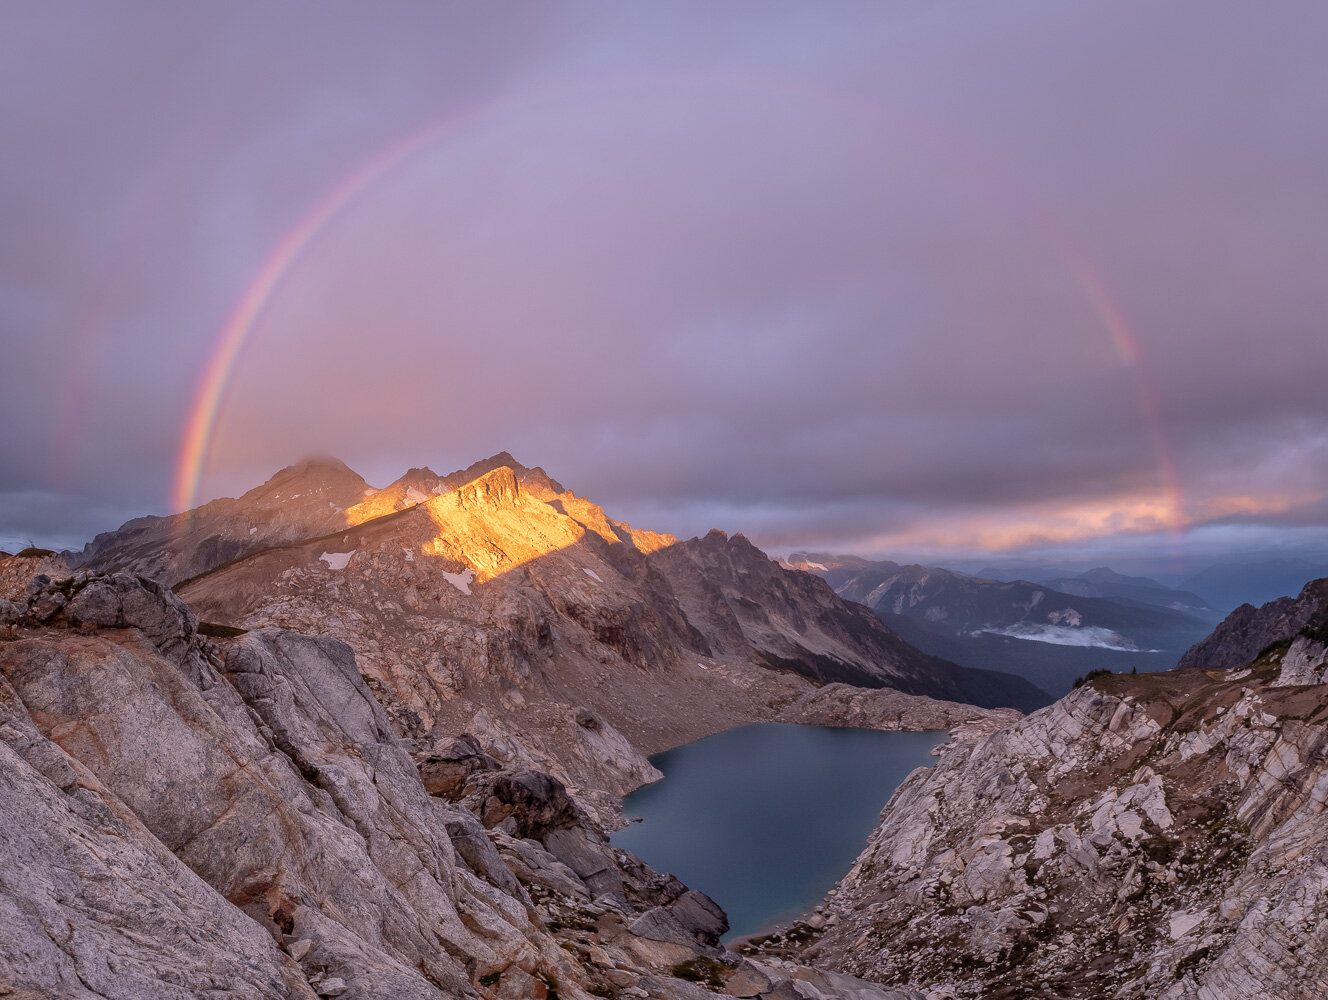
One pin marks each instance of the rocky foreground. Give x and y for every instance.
(183, 817)
(1148, 836)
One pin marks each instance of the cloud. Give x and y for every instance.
(898, 276)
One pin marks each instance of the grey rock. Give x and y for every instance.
(660, 924)
(92, 905)
(701, 915)
(1118, 837)
(747, 981)
(590, 857)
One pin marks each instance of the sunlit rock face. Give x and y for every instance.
(507, 604)
(1147, 836)
(181, 817)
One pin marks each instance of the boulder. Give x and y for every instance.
(528, 804)
(446, 767)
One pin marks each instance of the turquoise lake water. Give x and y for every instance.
(764, 819)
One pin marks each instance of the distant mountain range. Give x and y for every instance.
(1048, 632)
(1224, 585)
(1137, 590)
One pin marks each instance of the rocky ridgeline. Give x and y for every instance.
(1148, 836)
(236, 818)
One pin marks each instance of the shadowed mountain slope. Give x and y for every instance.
(300, 501)
(1248, 630)
(1033, 630)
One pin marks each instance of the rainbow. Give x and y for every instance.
(196, 442)
(197, 439)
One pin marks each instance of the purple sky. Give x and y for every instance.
(927, 280)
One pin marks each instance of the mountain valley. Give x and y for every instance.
(1098, 621)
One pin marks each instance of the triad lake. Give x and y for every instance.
(766, 818)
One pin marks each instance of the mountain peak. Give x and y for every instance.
(1100, 573)
(496, 488)
(319, 467)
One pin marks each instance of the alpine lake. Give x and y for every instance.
(766, 818)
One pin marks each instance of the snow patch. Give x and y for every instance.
(592, 574)
(336, 560)
(1067, 635)
(409, 553)
(415, 496)
(253, 531)
(462, 580)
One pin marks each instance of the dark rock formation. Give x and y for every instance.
(1248, 630)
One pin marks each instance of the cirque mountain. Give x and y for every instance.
(243, 810)
(1040, 633)
(511, 609)
(1157, 837)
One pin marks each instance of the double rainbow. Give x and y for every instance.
(200, 428)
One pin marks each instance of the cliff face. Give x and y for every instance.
(1150, 836)
(181, 818)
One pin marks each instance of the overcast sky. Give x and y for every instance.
(925, 280)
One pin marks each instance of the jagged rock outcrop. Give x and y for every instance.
(1149, 836)
(237, 819)
(1305, 662)
(1248, 630)
(18, 571)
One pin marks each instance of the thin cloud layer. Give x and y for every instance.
(887, 277)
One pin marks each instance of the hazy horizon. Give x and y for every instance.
(939, 283)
